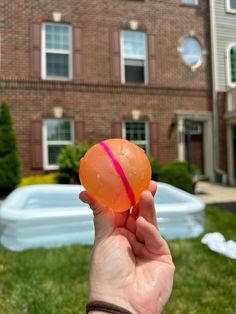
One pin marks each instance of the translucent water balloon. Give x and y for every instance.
(115, 172)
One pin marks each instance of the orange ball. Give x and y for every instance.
(115, 172)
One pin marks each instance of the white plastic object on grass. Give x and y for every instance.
(217, 243)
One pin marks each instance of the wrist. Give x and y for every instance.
(97, 312)
(114, 300)
(99, 307)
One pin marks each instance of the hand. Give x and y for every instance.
(131, 265)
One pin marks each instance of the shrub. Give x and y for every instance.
(63, 178)
(10, 166)
(177, 173)
(156, 167)
(43, 179)
(69, 161)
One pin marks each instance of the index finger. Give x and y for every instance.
(135, 213)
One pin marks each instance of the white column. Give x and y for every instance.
(180, 139)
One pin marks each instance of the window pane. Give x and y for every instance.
(233, 4)
(133, 62)
(134, 73)
(134, 44)
(191, 51)
(135, 131)
(57, 36)
(233, 63)
(58, 130)
(193, 128)
(57, 65)
(53, 152)
(143, 146)
(190, 1)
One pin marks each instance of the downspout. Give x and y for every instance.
(215, 121)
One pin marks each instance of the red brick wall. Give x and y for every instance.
(94, 98)
(222, 131)
(169, 20)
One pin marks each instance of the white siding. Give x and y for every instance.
(225, 27)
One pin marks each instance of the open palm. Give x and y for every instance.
(131, 265)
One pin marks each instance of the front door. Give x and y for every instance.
(194, 144)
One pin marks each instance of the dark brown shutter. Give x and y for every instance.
(77, 64)
(35, 49)
(116, 130)
(115, 56)
(154, 140)
(152, 58)
(36, 144)
(79, 131)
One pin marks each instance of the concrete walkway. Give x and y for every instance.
(212, 193)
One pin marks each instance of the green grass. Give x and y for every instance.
(48, 281)
(44, 281)
(205, 282)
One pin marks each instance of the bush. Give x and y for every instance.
(63, 178)
(10, 166)
(69, 161)
(177, 173)
(43, 179)
(156, 167)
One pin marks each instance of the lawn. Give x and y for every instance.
(48, 281)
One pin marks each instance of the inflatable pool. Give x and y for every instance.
(52, 215)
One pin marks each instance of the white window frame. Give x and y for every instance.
(195, 2)
(199, 63)
(122, 63)
(146, 143)
(228, 65)
(228, 7)
(46, 165)
(45, 50)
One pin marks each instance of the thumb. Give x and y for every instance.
(104, 220)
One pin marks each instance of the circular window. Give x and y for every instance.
(191, 51)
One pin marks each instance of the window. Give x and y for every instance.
(56, 51)
(57, 133)
(137, 132)
(193, 2)
(133, 57)
(231, 60)
(191, 52)
(231, 5)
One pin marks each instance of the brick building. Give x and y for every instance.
(90, 70)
